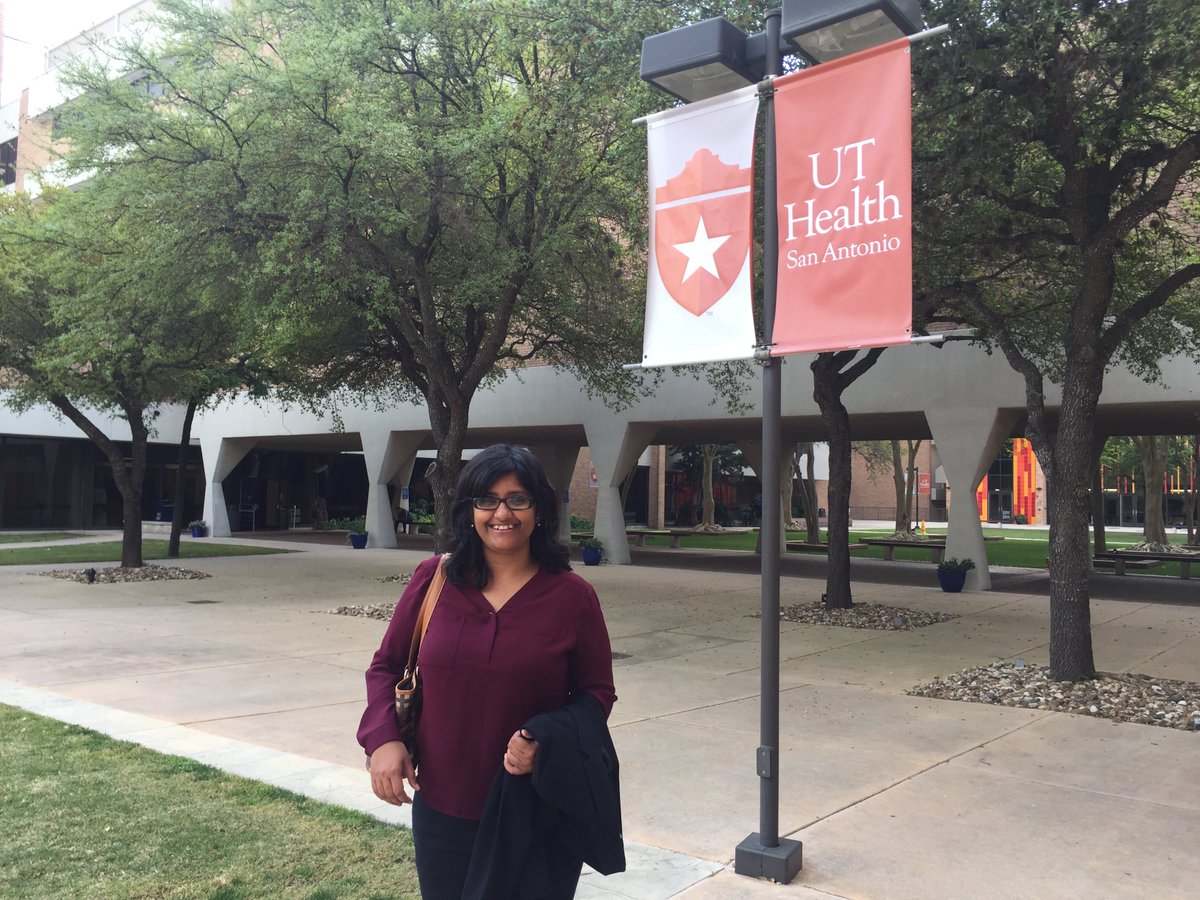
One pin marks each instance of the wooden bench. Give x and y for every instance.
(806, 547)
(937, 548)
(639, 535)
(1124, 558)
(1106, 561)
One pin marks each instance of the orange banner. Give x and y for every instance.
(844, 150)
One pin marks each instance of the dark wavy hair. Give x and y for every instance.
(467, 562)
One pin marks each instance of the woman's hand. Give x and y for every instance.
(518, 758)
(391, 765)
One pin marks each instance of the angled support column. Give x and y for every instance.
(968, 439)
(385, 453)
(559, 462)
(615, 449)
(220, 456)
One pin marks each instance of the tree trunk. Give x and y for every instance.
(448, 420)
(900, 485)
(128, 479)
(185, 439)
(787, 492)
(829, 381)
(1071, 656)
(1099, 539)
(1153, 452)
(1191, 499)
(911, 480)
(708, 452)
(808, 482)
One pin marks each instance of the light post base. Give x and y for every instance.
(780, 864)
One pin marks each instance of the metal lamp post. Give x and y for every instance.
(700, 61)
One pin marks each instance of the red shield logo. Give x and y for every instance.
(702, 223)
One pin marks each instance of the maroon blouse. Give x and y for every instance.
(484, 673)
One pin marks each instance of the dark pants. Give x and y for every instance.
(443, 846)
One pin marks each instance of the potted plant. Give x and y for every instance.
(591, 551)
(952, 573)
(356, 529)
(358, 533)
(199, 527)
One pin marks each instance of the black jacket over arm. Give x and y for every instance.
(536, 828)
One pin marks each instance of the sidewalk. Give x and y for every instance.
(893, 796)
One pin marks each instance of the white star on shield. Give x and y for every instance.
(700, 251)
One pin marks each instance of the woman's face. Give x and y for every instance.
(506, 531)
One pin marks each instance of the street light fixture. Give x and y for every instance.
(823, 30)
(704, 60)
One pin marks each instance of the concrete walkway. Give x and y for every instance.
(893, 796)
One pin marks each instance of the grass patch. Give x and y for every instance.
(110, 551)
(30, 537)
(1023, 548)
(86, 816)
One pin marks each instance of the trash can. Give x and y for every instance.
(164, 510)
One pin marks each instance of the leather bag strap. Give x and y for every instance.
(432, 593)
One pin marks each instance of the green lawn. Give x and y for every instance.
(110, 551)
(86, 816)
(1025, 547)
(30, 537)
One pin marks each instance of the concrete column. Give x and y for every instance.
(968, 439)
(752, 450)
(220, 456)
(658, 487)
(615, 448)
(384, 453)
(559, 462)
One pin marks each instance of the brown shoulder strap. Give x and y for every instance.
(432, 593)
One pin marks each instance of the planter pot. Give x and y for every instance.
(358, 541)
(197, 532)
(952, 582)
(590, 556)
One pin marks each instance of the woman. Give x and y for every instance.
(515, 633)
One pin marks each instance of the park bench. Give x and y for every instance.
(806, 547)
(937, 548)
(1126, 558)
(639, 535)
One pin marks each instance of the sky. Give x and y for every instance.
(33, 26)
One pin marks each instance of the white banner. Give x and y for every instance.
(698, 288)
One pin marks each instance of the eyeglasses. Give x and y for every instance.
(515, 503)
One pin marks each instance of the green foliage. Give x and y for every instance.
(954, 564)
(1055, 162)
(352, 524)
(592, 543)
(579, 523)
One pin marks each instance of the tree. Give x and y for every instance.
(1153, 449)
(808, 485)
(700, 464)
(95, 320)
(422, 195)
(1056, 159)
(832, 374)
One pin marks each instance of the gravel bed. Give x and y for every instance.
(874, 616)
(1140, 699)
(122, 574)
(381, 611)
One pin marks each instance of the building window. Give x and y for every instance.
(8, 161)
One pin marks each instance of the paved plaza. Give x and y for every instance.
(892, 795)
